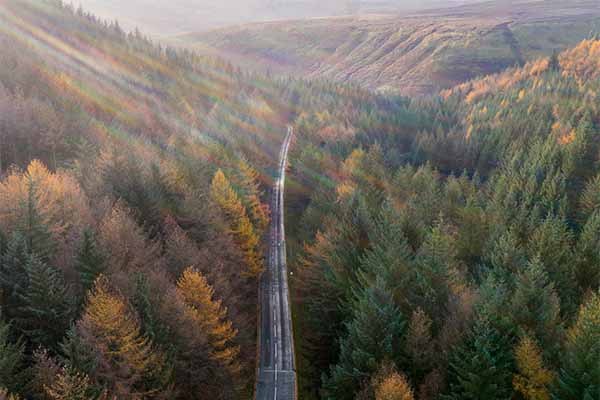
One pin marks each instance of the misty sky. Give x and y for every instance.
(172, 17)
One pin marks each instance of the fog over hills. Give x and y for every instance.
(164, 18)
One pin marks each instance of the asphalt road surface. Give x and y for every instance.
(276, 379)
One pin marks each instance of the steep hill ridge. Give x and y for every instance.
(412, 55)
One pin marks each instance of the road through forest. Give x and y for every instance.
(276, 379)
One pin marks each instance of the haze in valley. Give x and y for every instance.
(162, 18)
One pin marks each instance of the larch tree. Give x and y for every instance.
(420, 346)
(69, 385)
(394, 387)
(210, 317)
(240, 225)
(246, 178)
(533, 380)
(128, 362)
(48, 208)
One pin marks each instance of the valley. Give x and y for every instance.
(364, 202)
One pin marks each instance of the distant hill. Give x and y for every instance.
(418, 53)
(162, 18)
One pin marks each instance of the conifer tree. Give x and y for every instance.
(579, 376)
(32, 223)
(13, 274)
(535, 308)
(78, 354)
(43, 373)
(246, 178)
(128, 362)
(394, 387)
(375, 335)
(590, 199)
(554, 62)
(12, 360)
(551, 244)
(210, 317)
(389, 255)
(481, 367)
(419, 343)
(582, 156)
(587, 254)
(69, 385)
(533, 380)
(5, 395)
(90, 261)
(436, 272)
(240, 226)
(46, 309)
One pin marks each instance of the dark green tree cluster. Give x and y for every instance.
(482, 225)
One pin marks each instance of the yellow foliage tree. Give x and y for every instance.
(394, 387)
(210, 316)
(69, 385)
(240, 226)
(246, 178)
(128, 363)
(533, 380)
(60, 201)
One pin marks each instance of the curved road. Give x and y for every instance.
(276, 378)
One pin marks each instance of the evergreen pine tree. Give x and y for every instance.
(535, 308)
(554, 63)
(375, 335)
(481, 367)
(587, 254)
(90, 261)
(32, 224)
(579, 377)
(551, 244)
(45, 312)
(12, 359)
(78, 354)
(436, 272)
(13, 274)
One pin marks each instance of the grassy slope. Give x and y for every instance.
(416, 54)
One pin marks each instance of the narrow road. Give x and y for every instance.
(276, 379)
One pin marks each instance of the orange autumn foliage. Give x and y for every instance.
(210, 317)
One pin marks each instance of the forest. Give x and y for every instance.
(451, 242)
